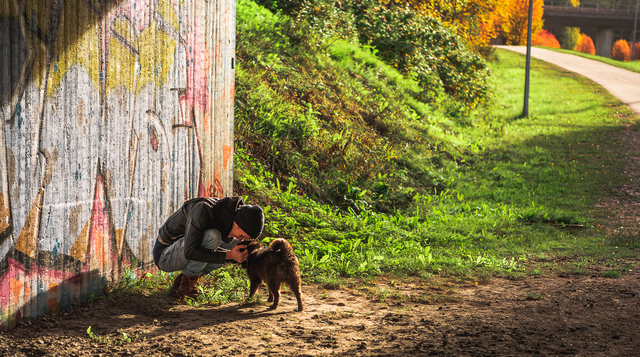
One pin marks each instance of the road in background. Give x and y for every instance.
(623, 84)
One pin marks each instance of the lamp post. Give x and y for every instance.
(525, 109)
(633, 42)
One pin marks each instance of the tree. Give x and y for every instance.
(621, 51)
(585, 45)
(546, 39)
(515, 18)
(570, 35)
(570, 38)
(473, 20)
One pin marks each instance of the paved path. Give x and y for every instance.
(623, 84)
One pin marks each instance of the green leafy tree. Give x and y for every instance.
(570, 38)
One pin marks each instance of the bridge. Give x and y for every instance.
(604, 18)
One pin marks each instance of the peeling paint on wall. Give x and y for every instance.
(109, 122)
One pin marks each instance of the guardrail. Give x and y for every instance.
(590, 7)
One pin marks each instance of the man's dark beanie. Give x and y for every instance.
(250, 219)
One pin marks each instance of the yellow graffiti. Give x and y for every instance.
(77, 42)
(79, 248)
(132, 59)
(123, 50)
(5, 212)
(156, 55)
(165, 9)
(28, 239)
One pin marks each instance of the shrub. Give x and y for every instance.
(636, 51)
(585, 45)
(621, 51)
(424, 47)
(420, 47)
(546, 39)
(570, 38)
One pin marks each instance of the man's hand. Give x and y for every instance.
(239, 254)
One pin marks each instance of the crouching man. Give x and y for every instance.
(202, 236)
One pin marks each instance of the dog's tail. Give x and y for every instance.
(281, 246)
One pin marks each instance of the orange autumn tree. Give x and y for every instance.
(621, 51)
(546, 39)
(473, 20)
(514, 16)
(585, 45)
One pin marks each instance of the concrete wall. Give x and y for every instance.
(114, 112)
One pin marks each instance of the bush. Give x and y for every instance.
(420, 47)
(546, 39)
(636, 51)
(585, 45)
(570, 38)
(621, 51)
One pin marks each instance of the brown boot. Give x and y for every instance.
(188, 287)
(176, 285)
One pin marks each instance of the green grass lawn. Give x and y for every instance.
(519, 192)
(633, 66)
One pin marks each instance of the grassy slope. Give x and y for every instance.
(385, 184)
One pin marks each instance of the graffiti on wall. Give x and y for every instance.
(113, 113)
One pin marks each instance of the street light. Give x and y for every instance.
(635, 21)
(525, 109)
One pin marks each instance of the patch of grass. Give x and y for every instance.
(535, 296)
(633, 66)
(227, 284)
(134, 281)
(613, 273)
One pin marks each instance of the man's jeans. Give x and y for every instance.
(172, 258)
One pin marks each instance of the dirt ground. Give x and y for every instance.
(561, 315)
(551, 315)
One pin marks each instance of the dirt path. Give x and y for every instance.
(570, 315)
(623, 84)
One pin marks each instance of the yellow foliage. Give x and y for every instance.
(515, 18)
(474, 20)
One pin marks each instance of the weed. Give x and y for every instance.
(381, 295)
(125, 338)
(613, 273)
(535, 296)
(222, 286)
(97, 338)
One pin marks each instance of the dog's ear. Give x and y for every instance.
(255, 246)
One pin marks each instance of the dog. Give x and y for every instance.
(274, 265)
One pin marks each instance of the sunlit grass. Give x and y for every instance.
(367, 181)
(629, 65)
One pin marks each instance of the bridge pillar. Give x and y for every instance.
(604, 39)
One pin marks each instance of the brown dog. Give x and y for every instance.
(274, 265)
